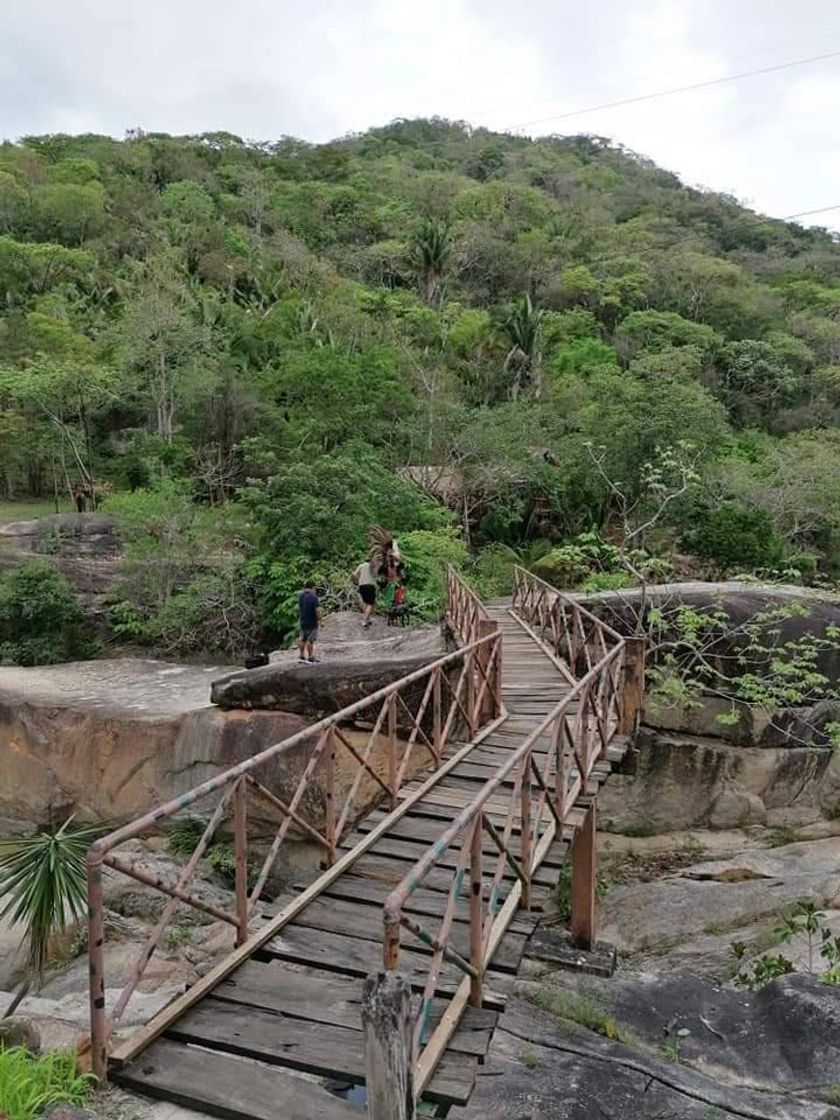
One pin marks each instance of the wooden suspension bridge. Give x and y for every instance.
(487, 765)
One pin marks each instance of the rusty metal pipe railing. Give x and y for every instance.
(445, 706)
(524, 577)
(537, 801)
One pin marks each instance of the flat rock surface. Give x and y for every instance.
(131, 685)
(541, 1067)
(719, 897)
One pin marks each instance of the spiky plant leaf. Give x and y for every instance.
(43, 882)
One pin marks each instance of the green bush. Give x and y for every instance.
(42, 620)
(427, 553)
(734, 536)
(492, 571)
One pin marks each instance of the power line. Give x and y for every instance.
(741, 55)
(682, 89)
(806, 213)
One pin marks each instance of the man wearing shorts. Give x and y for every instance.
(309, 615)
(363, 576)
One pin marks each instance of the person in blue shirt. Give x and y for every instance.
(309, 615)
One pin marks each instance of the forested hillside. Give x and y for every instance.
(240, 348)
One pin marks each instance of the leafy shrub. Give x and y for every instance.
(734, 536)
(492, 571)
(427, 553)
(42, 621)
(606, 581)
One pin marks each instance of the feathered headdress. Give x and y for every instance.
(381, 547)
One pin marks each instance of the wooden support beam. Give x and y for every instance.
(632, 685)
(389, 1057)
(583, 883)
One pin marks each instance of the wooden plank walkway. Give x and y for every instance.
(281, 1036)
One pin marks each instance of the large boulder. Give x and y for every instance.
(354, 663)
(719, 898)
(110, 740)
(810, 612)
(675, 781)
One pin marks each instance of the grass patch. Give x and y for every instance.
(781, 835)
(583, 1010)
(179, 933)
(563, 890)
(636, 829)
(29, 1084)
(31, 510)
(671, 1050)
(530, 1057)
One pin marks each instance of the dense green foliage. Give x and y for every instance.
(41, 619)
(261, 338)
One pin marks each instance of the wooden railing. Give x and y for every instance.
(508, 828)
(578, 639)
(380, 737)
(467, 616)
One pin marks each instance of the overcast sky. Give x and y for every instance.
(266, 68)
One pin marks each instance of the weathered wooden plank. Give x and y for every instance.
(352, 957)
(410, 853)
(389, 1047)
(365, 922)
(421, 902)
(413, 846)
(228, 1087)
(314, 1048)
(319, 997)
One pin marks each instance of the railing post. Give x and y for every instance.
(329, 796)
(471, 712)
(632, 684)
(525, 832)
(476, 916)
(392, 748)
(96, 961)
(240, 848)
(583, 883)
(391, 946)
(389, 1047)
(437, 716)
(486, 626)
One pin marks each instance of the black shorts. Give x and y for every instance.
(368, 594)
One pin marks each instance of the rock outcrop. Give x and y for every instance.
(83, 546)
(674, 781)
(542, 1065)
(108, 740)
(354, 664)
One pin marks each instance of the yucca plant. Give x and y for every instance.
(522, 327)
(430, 251)
(43, 882)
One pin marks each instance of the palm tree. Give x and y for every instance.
(43, 879)
(430, 251)
(522, 327)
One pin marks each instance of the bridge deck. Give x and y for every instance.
(284, 1028)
